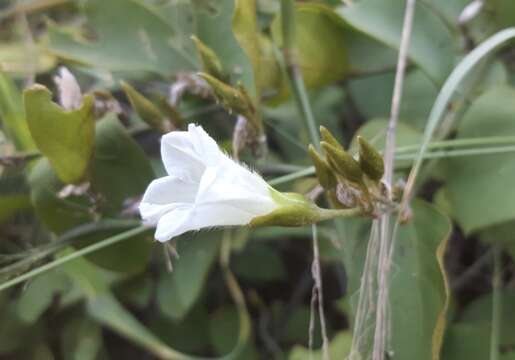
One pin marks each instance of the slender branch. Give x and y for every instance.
(317, 288)
(76, 254)
(34, 255)
(397, 91)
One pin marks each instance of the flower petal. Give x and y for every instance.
(170, 189)
(181, 220)
(205, 146)
(173, 223)
(179, 156)
(220, 185)
(186, 154)
(165, 194)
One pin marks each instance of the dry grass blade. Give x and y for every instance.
(382, 251)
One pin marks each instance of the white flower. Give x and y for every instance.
(204, 188)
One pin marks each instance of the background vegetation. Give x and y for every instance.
(70, 181)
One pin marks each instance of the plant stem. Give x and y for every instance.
(293, 176)
(76, 254)
(386, 236)
(297, 85)
(328, 214)
(496, 304)
(457, 143)
(298, 90)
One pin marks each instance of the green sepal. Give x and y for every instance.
(342, 163)
(324, 173)
(211, 64)
(370, 160)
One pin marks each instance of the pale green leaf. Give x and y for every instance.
(65, 137)
(432, 46)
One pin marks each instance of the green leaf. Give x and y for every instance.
(190, 335)
(178, 291)
(258, 48)
(375, 132)
(148, 44)
(81, 339)
(417, 99)
(58, 215)
(121, 172)
(339, 348)
(479, 188)
(39, 294)
(467, 341)
(19, 59)
(215, 29)
(65, 137)
(121, 168)
(224, 327)
(432, 46)
(14, 195)
(471, 342)
(319, 43)
(105, 309)
(479, 313)
(418, 286)
(14, 334)
(12, 115)
(248, 264)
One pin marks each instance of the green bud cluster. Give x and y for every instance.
(339, 169)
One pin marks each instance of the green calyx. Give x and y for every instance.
(370, 160)
(295, 210)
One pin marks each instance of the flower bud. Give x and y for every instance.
(210, 62)
(231, 98)
(329, 138)
(370, 160)
(343, 163)
(147, 111)
(324, 174)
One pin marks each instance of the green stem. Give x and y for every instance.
(35, 254)
(456, 153)
(297, 85)
(429, 155)
(457, 143)
(82, 252)
(293, 176)
(328, 214)
(496, 305)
